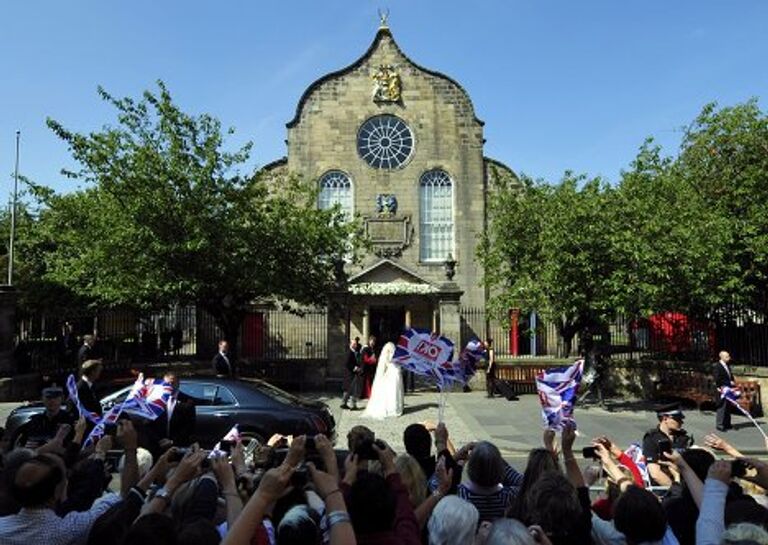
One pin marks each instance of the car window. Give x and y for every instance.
(202, 394)
(224, 397)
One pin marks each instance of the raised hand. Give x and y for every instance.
(351, 465)
(274, 482)
(568, 437)
(325, 483)
(444, 478)
(296, 451)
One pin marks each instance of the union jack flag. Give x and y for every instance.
(148, 398)
(428, 354)
(111, 417)
(635, 452)
(557, 390)
(72, 390)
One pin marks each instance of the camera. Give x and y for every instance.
(365, 450)
(738, 468)
(590, 452)
(110, 429)
(309, 444)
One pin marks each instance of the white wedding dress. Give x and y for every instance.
(387, 394)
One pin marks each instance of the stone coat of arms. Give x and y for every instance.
(387, 86)
(386, 205)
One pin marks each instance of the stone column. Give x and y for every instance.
(366, 326)
(407, 317)
(8, 297)
(435, 319)
(450, 317)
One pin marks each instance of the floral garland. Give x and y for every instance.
(391, 288)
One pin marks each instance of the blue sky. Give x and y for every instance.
(560, 84)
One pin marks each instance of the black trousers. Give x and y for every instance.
(723, 417)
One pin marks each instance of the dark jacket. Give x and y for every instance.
(88, 397)
(353, 360)
(84, 354)
(221, 366)
(722, 377)
(181, 430)
(42, 429)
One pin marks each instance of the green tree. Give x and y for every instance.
(724, 156)
(167, 217)
(547, 249)
(669, 247)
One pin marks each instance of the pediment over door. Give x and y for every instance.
(388, 277)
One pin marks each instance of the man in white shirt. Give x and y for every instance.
(38, 486)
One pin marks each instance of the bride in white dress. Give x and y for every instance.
(387, 393)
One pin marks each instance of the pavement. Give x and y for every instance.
(516, 426)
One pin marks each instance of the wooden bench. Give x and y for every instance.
(697, 385)
(520, 379)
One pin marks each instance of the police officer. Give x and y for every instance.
(668, 435)
(43, 427)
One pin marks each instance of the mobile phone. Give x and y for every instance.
(178, 454)
(309, 444)
(664, 445)
(225, 446)
(738, 468)
(300, 477)
(589, 452)
(110, 429)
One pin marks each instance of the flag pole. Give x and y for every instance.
(13, 212)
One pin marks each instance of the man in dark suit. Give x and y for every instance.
(86, 391)
(723, 378)
(175, 427)
(91, 371)
(353, 376)
(222, 365)
(86, 351)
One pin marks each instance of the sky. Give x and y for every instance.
(561, 84)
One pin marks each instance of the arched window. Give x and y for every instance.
(336, 188)
(435, 216)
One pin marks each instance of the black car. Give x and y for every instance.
(258, 408)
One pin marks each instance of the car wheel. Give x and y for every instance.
(251, 441)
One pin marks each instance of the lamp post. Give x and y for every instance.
(13, 212)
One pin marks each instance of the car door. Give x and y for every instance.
(215, 408)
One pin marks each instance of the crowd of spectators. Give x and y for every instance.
(302, 490)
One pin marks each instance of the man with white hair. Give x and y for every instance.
(723, 379)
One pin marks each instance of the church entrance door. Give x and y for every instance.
(386, 324)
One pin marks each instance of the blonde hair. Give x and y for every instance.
(413, 478)
(744, 532)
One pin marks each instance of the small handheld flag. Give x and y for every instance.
(557, 390)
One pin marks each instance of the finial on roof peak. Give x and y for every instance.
(383, 19)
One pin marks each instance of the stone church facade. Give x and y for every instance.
(401, 147)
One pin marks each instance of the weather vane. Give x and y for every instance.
(383, 18)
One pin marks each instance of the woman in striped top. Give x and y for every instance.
(492, 483)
